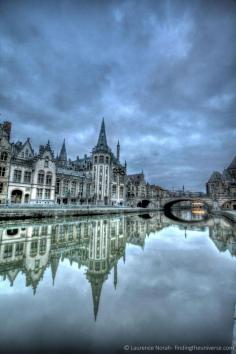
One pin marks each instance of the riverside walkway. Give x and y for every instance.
(42, 211)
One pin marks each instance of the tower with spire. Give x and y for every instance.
(62, 159)
(101, 157)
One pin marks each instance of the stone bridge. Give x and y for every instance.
(168, 202)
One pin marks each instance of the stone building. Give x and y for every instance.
(39, 177)
(223, 184)
(32, 175)
(5, 159)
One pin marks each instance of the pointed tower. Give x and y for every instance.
(63, 153)
(54, 261)
(118, 151)
(96, 281)
(115, 275)
(102, 168)
(102, 139)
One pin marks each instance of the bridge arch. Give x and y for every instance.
(145, 203)
(168, 209)
(229, 204)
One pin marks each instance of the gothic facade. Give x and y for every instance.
(28, 176)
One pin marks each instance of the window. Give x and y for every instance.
(47, 193)
(49, 179)
(95, 159)
(19, 248)
(41, 177)
(3, 156)
(42, 246)
(17, 176)
(65, 186)
(101, 159)
(1, 187)
(114, 190)
(107, 159)
(8, 251)
(46, 162)
(33, 248)
(39, 193)
(22, 154)
(73, 188)
(26, 153)
(2, 171)
(27, 177)
(58, 186)
(121, 192)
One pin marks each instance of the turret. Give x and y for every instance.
(118, 151)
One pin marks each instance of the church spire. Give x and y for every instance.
(54, 265)
(63, 153)
(96, 281)
(102, 139)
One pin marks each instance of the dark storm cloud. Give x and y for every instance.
(162, 73)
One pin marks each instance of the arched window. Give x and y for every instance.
(3, 156)
(101, 158)
(49, 179)
(41, 177)
(1, 187)
(2, 171)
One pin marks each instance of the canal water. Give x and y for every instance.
(114, 283)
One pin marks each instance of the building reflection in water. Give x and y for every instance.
(96, 243)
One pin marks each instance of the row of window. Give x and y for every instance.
(17, 177)
(43, 194)
(101, 159)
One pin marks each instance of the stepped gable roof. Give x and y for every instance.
(232, 166)
(215, 177)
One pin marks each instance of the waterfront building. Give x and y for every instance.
(223, 184)
(27, 176)
(5, 158)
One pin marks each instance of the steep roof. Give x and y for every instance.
(63, 153)
(232, 166)
(216, 176)
(102, 140)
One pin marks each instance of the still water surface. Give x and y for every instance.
(96, 284)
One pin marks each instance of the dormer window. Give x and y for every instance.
(22, 154)
(46, 162)
(26, 153)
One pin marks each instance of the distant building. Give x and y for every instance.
(223, 184)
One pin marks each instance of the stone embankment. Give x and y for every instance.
(10, 213)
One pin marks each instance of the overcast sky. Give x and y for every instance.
(161, 73)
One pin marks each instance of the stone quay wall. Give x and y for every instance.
(9, 213)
